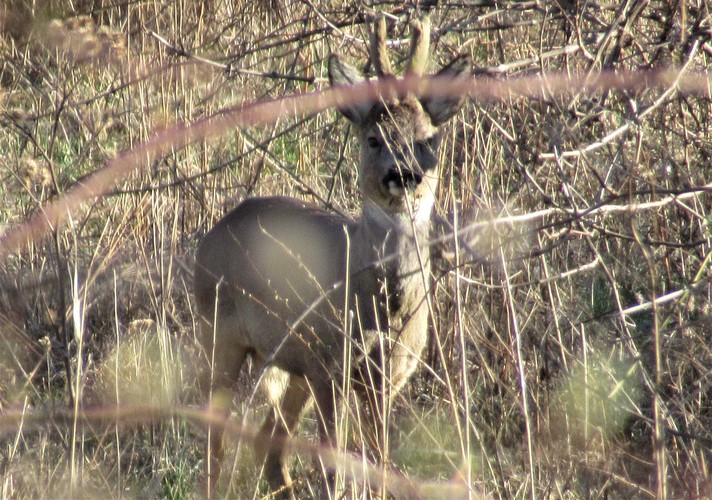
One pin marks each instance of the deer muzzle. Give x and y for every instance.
(398, 180)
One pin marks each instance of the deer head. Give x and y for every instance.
(399, 136)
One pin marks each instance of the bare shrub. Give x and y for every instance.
(569, 351)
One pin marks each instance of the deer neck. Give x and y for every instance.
(391, 256)
(393, 236)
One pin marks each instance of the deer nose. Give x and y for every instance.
(401, 178)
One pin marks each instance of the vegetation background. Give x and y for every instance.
(571, 349)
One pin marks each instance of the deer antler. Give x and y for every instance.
(419, 45)
(379, 54)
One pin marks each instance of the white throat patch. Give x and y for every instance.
(422, 209)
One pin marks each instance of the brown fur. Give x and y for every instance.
(297, 287)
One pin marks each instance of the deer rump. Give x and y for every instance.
(286, 286)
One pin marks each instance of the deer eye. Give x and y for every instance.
(373, 142)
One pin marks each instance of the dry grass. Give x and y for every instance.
(571, 340)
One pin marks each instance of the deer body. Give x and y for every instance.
(321, 296)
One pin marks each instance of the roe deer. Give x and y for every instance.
(321, 296)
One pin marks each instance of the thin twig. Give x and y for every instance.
(626, 126)
(229, 68)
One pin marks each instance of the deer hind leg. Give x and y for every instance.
(217, 380)
(272, 438)
(218, 413)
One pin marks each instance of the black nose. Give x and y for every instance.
(402, 178)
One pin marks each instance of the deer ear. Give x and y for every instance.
(343, 74)
(442, 107)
